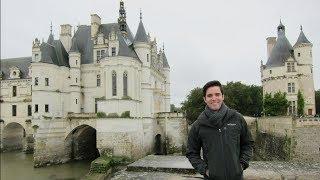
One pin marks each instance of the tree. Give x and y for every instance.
(300, 104)
(317, 94)
(173, 108)
(193, 105)
(245, 99)
(276, 105)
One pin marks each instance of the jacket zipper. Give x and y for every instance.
(221, 140)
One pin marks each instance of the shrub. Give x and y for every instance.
(126, 97)
(101, 115)
(113, 115)
(125, 114)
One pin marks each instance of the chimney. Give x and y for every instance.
(95, 23)
(65, 36)
(271, 41)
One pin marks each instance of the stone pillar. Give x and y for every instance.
(29, 139)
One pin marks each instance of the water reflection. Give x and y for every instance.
(18, 165)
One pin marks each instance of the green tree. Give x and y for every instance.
(276, 105)
(193, 105)
(173, 108)
(300, 104)
(317, 94)
(245, 99)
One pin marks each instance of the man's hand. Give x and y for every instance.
(207, 172)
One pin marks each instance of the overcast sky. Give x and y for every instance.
(204, 39)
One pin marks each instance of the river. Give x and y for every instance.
(18, 165)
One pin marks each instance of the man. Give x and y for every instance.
(223, 135)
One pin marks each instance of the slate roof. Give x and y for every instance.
(302, 39)
(165, 61)
(22, 63)
(141, 35)
(85, 44)
(281, 51)
(54, 53)
(74, 46)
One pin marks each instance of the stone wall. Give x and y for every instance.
(59, 140)
(284, 138)
(175, 130)
(307, 140)
(50, 147)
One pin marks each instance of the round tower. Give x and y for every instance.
(75, 78)
(303, 55)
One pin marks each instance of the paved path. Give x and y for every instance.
(178, 167)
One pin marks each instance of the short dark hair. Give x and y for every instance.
(211, 84)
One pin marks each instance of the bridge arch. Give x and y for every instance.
(13, 137)
(81, 143)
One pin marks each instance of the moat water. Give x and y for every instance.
(18, 165)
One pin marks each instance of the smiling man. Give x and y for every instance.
(223, 135)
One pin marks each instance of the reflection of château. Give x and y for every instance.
(100, 68)
(289, 69)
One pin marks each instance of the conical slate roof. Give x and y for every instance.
(54, 53)
(302, 39)
(165, 61)
(281, 51)
(50, 39)
(141, 35)
(74, 46)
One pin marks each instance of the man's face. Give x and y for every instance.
(214, 98)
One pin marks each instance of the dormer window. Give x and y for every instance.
(100, 39)
(100, 54)
(14, 73)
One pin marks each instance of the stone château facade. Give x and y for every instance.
(289, 69)
(55, 94)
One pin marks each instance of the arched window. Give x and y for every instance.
(114, 83)
(125, 84)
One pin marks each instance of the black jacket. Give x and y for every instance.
(225, 148)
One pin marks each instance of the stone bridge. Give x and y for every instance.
(84, 136)
(17, 134)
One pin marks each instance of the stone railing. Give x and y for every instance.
(169, 115)
(308, 121)
(81, 115)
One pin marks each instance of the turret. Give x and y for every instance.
(65, 36)
(166, 70)
(50, 38)
(142, 45)
(75, 77)
(303, 49)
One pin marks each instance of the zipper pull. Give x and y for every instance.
(219, 130)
